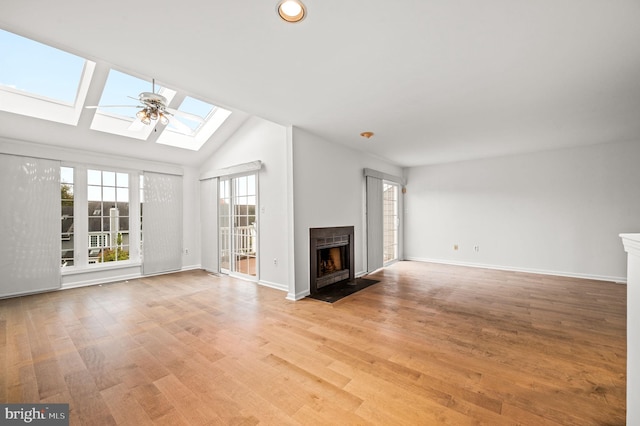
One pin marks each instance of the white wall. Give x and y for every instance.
(191, 219)
(266, 141)
(554, 212)
(329, 184)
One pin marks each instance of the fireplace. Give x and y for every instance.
(331, 256)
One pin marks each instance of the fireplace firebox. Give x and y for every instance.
(331, 256)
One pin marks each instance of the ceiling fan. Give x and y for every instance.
(153, 107)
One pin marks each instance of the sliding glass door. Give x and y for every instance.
(391, 221)
(238, 225)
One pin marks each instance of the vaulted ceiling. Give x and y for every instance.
(436, 81)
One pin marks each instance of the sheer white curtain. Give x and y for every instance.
(29, 225)
(209, 224)
(161, 223)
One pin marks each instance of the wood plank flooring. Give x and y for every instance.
(430, 344)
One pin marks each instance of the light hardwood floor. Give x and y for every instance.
(429, 344)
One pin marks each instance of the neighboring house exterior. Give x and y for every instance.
(108, 232)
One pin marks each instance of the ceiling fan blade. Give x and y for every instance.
(180, 126)
(111, 106)
(186, 115)
(137, 125)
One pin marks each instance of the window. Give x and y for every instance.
(98, 240)
(41, 81)
(33, 68)
(390, 221)
(237, 225)
(193, 124)
(185, 123)
(66, 215)
(108, 211)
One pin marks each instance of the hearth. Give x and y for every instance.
(331, 256)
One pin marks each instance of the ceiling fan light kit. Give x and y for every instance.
(154, 108)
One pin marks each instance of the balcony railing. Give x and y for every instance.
(244, 239)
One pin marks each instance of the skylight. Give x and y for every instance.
(32, 67)
(194, 134)
(117, 110)
(118, 92)
(41, 81)
(190, 126)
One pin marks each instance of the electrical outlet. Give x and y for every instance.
(275, 262)
(455, 247)
(476, 248)
(186, 251)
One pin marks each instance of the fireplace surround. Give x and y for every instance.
(331, 256)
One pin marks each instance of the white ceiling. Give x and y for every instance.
(436, 81)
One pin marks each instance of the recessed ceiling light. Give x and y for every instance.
(366, 134)
(292, 10)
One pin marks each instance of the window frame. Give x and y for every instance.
(82, 237)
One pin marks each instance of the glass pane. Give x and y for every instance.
(108, 255)
(141, 189)
(66, 174)
(108, 193)
(122, 180)
(94, 177)
(123, 252)
(95, 224)
(122, 194)
(117, 91)
(251, 185)
(33, 67)
(123, 224)
(108, 178)
(94, 193)
(66, 194)
(251, 265)
(123, 208)
(95, 208)
(195, 107)
(241, 185)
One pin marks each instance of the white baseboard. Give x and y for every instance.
(297, 296)
(619, 280)
(277, 286)
(190, 267)
(103, 280)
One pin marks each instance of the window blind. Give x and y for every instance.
(209, 224)
(29, 225)
(374, 224)
(162, 223)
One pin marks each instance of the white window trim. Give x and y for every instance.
(81, 220)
